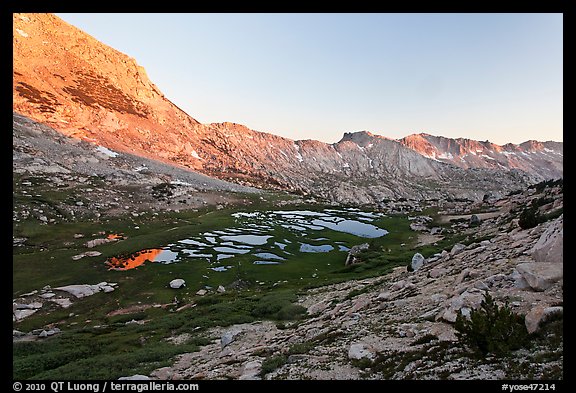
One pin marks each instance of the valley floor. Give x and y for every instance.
(389, 315)
(374, 321)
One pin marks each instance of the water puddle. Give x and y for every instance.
(310, 248)
(269, 255)
(281, 246)
(231, 250)
(255, 240)
(352, 227)
(220, 268)
(259, 238)
(192, 253)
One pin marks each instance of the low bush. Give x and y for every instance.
(278, 306)
(492, 329)
(529, 218)
(272, 363)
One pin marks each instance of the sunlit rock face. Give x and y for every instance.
(544, 160)
(75, 84)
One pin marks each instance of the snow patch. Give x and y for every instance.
(431, 156)
(488, 157)
(370, 163)
(22, 33)
(195, 155)
(107, 151)
(346, 165)
(446, 156)
(180, 183)
(370, 145)
(298, 155)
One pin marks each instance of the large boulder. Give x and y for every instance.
(351, 259)
(227, 338)
(416, 226)
(540, 314)
(475, 220)
(97, 242)
(251, 370)
(540, 275)
(463, 303)
(359, 351)
(21, 314)
(80, 290)
(457, 249)
(177, 283)
(418, 261)
(136, 377)
(549, 248)
(83, 290)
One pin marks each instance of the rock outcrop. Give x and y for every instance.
(550, 246)
(352, 258)
(177, 283)
(417, 262)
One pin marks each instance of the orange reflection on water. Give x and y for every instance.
(133, 260)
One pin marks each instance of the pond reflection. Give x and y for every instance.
(134, 260)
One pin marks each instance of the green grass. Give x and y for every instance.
(82, 351)
(107, 353)
(115, 348)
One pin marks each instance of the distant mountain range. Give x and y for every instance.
(540, 158)
(75, 84)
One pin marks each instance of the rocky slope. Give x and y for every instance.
(543, 159)
(95, 182)
(68, 80)
(400, 326)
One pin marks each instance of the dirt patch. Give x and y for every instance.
(426, 238)
(482, 216)
(130, 310)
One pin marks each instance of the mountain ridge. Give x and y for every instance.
(85, 89)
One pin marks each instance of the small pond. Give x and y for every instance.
(266, 238)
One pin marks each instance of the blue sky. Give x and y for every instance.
(496, 77)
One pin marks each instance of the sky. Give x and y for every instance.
(485, 76)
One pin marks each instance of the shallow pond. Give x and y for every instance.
(265, 238)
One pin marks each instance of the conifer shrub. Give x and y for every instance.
(529, 218)
(492, 329)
